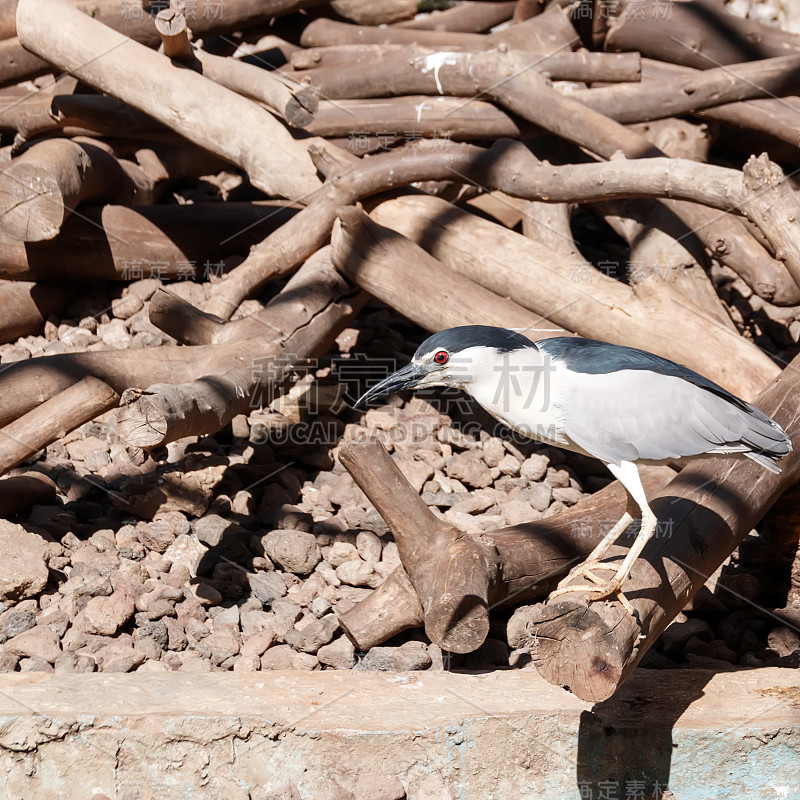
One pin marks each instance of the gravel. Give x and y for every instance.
(200, 563)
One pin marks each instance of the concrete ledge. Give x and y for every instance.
(495, 736)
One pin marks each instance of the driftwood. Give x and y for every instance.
(451, 580)
(704, 514)
(187, 102)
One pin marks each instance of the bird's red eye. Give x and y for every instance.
(441, 357)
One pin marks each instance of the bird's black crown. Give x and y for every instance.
(454, 340)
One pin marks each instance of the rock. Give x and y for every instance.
(287, 792)
(331, 790)
(469, 469)
(8, 661)
(434, 788)
(96, 460)
(415, 472)
(282, 656)
(369, 546)
(567, 495)
(320, 607)
(186, 551)
(106, 615)
(223, 644)
(80, 448)
(24, 571)
(38, 642)
(681, 630)
(539, 495)
(340, 552)
(295, 551)
(18, 622)
(409, 656)
(211, 528)
(783, 641)
(358, 573)
(127, 305)
(257, 644)
(379, 786)
(34, 664)
(339, 654)
(314, 635)
(494, 452)
(266, 586)
(509, 465)
(534, 468)
(518, 512)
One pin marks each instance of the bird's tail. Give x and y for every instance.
(768, 441)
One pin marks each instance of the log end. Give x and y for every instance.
(458, 623)
(575, 647)
(32, 207)
(302, 106)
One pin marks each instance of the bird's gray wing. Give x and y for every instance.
(625, 415)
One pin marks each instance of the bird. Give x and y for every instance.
(621, 405)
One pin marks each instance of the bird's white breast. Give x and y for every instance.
(523, 389)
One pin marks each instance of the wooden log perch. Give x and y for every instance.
(704, 514)
(468, 17)
(19, 492)
(367, 12)
(176, 40)
(53, 419)
(26, 305)
(188, 103)
(458, 578)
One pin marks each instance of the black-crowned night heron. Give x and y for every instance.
(621, 405)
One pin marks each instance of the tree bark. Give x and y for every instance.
(188, 103)
(367, 12)
(469, 17)
(703, 515)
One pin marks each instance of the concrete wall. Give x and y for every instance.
(495, 736)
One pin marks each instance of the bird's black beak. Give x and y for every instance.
(406, 378)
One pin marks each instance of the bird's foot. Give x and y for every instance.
(599, 589)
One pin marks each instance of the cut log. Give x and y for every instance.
(196, 107)
(54, 418)
(19, 492)
(301, 323)
(694, 92)
(367, 12)
(458, 578)
(40, 188)
(176, 42)
(704, 514)
(412, 118)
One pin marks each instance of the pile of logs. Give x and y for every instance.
(432, 161)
